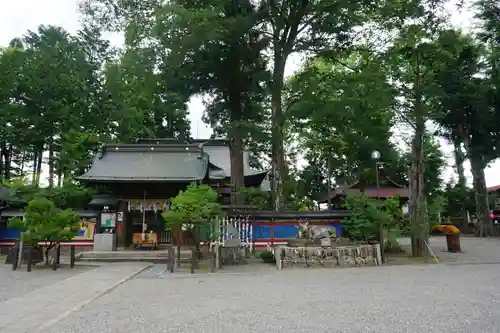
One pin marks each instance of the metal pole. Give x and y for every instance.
(381, 227)
(21, 246)
(329, 181)
(144, 216)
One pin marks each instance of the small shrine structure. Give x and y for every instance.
(140, 179)
(386, 188)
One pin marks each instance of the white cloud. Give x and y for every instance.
(18, 16)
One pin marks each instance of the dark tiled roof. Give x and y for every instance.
(146, 162)
(164, 160)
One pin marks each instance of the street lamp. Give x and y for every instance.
(376, 157)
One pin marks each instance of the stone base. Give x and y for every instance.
(105, 242)
(341, 256)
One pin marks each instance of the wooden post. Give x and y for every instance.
(178, 256)
(28, 267)
(54, 261)
(171, 259)
(58, 253)
(193, 259)
(15, 254)
(20, 252)
(168, 258)
(219, 257)
(169, 255)
(72, 256)
(211, 259)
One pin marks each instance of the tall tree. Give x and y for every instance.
(223, 57)
(317, 26)
(343, 112)
(410, 61)
(467, 107)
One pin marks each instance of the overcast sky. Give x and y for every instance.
(18, 16)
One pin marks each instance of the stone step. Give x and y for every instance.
(129, 256)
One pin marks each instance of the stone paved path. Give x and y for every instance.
(41, 308)
(17, 283)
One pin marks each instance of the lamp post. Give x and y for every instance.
(329, 181)
(376, 157)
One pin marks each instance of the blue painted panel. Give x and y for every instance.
(285, 231)
(6, 233)
(261, 232)
(338, 229)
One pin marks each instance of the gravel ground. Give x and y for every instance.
(432, 298)
(19, 282)
(474, 250)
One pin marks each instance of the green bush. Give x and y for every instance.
(268, 257)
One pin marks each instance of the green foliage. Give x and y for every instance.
(255, 197)
(435, 209)
(268, 257)
(194, 209)
(344, 111)
(62, 95)
(391, 243)
(368, 216)
(69, 195)
(43, 222)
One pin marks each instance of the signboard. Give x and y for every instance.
(120, 216)
(148, 204)
(108, 220)
(87, 230)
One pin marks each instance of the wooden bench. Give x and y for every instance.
(150, 240)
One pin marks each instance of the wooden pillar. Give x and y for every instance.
(121, 226)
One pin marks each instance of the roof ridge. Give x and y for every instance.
(151, 147)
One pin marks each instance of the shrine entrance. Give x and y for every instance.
(144, 223)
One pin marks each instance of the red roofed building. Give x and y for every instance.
(387, 189)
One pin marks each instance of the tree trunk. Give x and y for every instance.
(478, 165)
(481, 194)
(2, 147)
(23, 161)
(277, 149)
(237, 168)
(417, 198)
(236, 135)
(39, 167)
(462, 182)
(51, 164)
(7, 159)
(59, 177)
(35, 166)
(418, 216)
